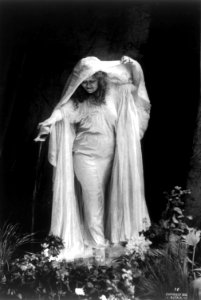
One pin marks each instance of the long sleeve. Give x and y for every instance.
(141, 98)
(65, 111)
(56, 115)
(65, 221)
(65, 117)
(69, 111)
(127, 210)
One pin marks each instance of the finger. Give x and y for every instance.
(125, 59)
(48, 121)
(42, 124)
(39, 139)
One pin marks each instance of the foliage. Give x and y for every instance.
(175, 243)
(163, 271)
(173, 221)
(10, 241)
(42, 276)
(152, 264)
(52, 246)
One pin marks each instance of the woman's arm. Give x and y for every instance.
(137, 74)
(45, 126)
(141, 97)
(66, 111)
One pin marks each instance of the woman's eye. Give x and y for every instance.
(88, 82)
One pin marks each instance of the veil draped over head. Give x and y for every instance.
(126, 207)
(84, 69)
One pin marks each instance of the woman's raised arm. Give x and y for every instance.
(141, 97)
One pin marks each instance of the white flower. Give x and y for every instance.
(44, 245)
(46, 252)
(79, 292)
(138, 245)
(51, 258)
(31, 266)
(193, 237)
(19, 296)
(103, 297)
(112, 297)
(23, 267)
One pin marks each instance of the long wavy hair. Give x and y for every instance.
(98, 97)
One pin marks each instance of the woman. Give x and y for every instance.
(95, 133)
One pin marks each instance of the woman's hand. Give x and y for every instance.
(127, 59)
(46, 126)
(44, 130)
(136, 70)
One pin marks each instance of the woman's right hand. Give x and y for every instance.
(44, 129)
(46, 126)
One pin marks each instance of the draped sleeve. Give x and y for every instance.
(70, 111)
(65, 221)
(141, 98)
(69, 116)
(127, 212)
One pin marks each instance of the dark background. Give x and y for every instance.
(41, 41)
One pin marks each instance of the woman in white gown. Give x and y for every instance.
(94, 146)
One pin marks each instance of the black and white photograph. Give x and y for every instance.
(100, 150)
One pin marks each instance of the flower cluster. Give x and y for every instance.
(138, 246)
(192, 238)
(42, 276)
(52, 246)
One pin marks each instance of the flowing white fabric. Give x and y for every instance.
(125, 207)
(127, 211)
(65, 221)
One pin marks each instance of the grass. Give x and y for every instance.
(10, 242)
(164, 271)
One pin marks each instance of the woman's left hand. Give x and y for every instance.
(136, 70)
(126, 59)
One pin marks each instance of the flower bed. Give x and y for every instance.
(152, 266)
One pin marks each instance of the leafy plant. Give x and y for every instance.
(162, 273)
(10, 241)
(42, 276)
(173, 221)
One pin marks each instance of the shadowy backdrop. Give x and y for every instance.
(41, 41)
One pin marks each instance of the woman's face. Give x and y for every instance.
(90, 84)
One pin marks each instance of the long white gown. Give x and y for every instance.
(98, 188)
